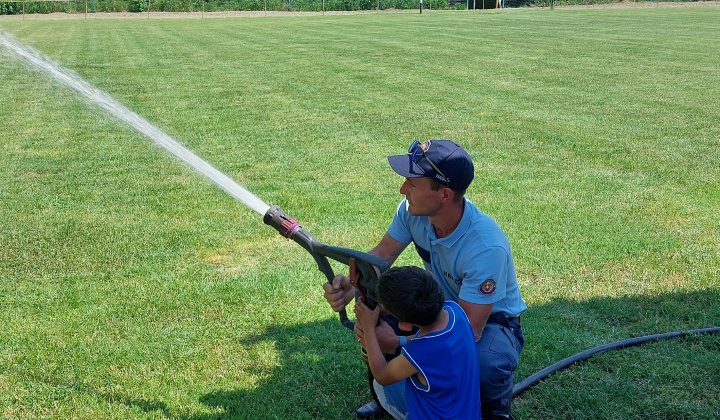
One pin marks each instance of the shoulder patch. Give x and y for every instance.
(487, 287)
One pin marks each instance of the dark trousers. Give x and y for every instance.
(499, 351)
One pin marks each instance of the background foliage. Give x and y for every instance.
(139, 6)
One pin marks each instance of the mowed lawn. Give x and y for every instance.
(131, 287)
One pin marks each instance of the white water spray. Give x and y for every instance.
(104, 100)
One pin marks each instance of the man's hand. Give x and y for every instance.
(388, 340)
(339, 293)
(342, 289)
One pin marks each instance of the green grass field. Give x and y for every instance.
(131, 287)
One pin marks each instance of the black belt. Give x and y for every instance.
(502, 319)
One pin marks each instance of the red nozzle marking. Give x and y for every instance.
(290, 225)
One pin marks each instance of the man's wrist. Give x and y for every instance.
(403, 340)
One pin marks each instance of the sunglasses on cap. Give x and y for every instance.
(417, 153)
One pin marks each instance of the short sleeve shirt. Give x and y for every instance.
(474, 263)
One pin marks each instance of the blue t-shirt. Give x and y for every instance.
(448, 362)
(474, 263)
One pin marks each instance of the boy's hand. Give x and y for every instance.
(366, 317)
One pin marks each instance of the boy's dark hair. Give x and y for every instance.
(411, 294)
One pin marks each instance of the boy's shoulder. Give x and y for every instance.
(458, 324)
(456, 311)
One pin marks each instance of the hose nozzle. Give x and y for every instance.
(277, 218)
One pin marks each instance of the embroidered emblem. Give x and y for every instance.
(487, 287)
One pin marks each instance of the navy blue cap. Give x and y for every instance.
(451, 159)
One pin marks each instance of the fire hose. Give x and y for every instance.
(543, 374)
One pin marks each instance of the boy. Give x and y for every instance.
(439, 364)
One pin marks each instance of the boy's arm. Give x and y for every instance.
(385, 373)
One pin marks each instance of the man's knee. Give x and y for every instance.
(496, 384)
(496, 378)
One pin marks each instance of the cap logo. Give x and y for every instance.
(425, 146)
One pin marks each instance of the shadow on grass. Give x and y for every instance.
(158, 407)
(320, 374)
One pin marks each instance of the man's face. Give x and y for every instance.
(422, 199)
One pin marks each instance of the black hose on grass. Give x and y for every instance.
(535, 378)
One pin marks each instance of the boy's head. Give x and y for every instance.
(411, 294)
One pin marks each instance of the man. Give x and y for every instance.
(469, 256)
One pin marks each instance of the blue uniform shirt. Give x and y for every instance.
(474, 263)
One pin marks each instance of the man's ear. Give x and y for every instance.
(448, 194)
